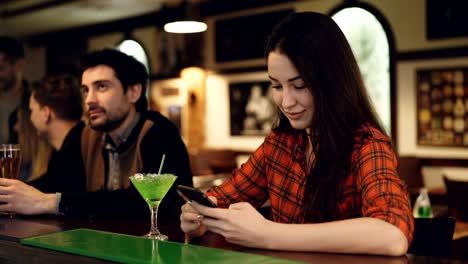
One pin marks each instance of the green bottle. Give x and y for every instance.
(422, 206)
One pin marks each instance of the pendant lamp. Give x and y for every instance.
(187, 24)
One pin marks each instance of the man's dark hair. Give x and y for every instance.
(12, 48)
(62, 94)
(127, 69)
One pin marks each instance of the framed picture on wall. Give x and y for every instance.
(243, 37)
(174, 114)
(237, 40)
(251, 108)
(442, 106)
(412, 135)
(169, 97)
(228, 122)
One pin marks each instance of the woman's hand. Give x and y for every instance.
(190, 219)
(19, 197)
(241, 224)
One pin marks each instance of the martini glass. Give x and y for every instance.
(153, 188)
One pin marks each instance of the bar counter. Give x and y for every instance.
(12, 251)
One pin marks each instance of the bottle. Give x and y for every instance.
(422, 206)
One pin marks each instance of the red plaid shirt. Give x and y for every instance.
(276, 171)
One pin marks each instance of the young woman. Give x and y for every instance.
(35, 152)
(327, 167)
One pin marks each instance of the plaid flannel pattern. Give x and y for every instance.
(276, 172)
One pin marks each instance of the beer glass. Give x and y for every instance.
(10, 163)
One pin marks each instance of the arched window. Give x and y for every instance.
(370, 45)
(135, 49)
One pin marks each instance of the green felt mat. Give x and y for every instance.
(133, 249)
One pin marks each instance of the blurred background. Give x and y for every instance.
(203, 81)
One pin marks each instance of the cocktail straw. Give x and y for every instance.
(162, 163)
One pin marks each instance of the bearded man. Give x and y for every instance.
(123, 138)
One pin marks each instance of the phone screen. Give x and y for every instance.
(190, 193)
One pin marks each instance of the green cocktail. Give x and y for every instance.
(153, 188)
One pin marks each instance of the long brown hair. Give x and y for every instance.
(321, 54)
(35, 152)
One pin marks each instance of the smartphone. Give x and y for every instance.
(190, 193)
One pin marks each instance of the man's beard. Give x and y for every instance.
(109, 124)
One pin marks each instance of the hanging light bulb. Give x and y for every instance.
(186, 25)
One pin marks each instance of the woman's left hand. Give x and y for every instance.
(241, 224)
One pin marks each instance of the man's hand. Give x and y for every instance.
(19, 197)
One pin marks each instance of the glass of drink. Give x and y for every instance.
(153, 188)
(10, 161)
